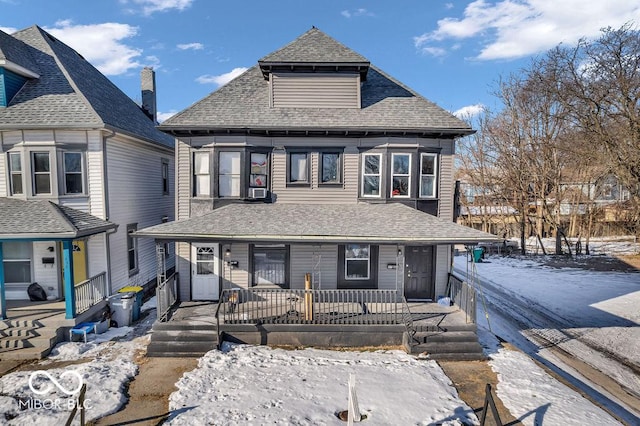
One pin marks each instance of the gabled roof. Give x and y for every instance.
(71, 93)
(331, 223)
(314, 46)
(41, 219)
(14, 52)
(387, 106)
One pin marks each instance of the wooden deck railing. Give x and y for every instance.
(284, 306)
(464, 296)
(90, 292)
(166, 296)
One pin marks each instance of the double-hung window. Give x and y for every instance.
(72, 166)
(229, 173)
(201, 174)
(132, 249)
(330, 168)
(165, 176)
(371, 171)
(428, 172)
(299, 163)
(356, 262)
(258, 172)
(15, 173)
(400, 175)
(41, 172)
(17, 262)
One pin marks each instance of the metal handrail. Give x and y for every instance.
(464, 296)
(166, 296)
(90, 291)
(297, 306)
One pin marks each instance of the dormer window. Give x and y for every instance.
(314, 90)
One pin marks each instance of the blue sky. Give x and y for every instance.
(450, 51)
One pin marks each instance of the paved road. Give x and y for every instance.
(610, 383)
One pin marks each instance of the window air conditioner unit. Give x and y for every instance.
(257, 193)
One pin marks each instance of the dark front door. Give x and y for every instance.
(418, 272)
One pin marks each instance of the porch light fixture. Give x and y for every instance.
(227, 253)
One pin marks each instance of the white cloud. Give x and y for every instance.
(434, 51)
(222, 79)
(515, 28)
(356, 12)
(162, 116)
(8, 30)
(113, 57)
(151, 6)
(448, 5)
(192, 46)
(469, 111)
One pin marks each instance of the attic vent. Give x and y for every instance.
(314, 90)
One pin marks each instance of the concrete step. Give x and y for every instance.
(184, 335)
(24, 353)
(183, 326)
(447, 347)
(456, 357)
(21, 332)
(6, 324)
(449, 327)
(446, 336)
(179, 348)
(15, 342)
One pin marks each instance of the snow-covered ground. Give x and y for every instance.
(260, 385)
(592, 315)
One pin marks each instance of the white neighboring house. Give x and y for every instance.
(70, 137)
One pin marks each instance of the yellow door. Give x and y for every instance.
(79, 261)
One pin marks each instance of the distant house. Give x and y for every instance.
(82, 167)
(314, 161)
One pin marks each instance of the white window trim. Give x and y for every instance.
(132, 227)
(435, 175)
(32, 155)
(238, 175)
(29, 259)
(82, 174)
(347, 259)
(12, 172)
(307, 168)
(197, 174)
(379, 174)
(393, 156)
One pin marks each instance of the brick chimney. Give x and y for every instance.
(148, 80)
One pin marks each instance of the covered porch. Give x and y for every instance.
(26, 224)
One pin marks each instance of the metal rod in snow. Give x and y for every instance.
(353, 410)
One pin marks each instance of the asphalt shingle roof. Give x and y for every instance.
(71, 93)
(387, 105)
(337, 223)
(15, 51)
(314, 46)
(45, 219)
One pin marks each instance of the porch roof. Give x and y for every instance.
(304, 223)
(42, 219)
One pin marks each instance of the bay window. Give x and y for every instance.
(371, 171)
(72, 167)
(299, 168)
(428, 171)
(330, 168)
(400, 175)
(201, 174)
(229, 173)
(258, 171)
(15, 173)
(41, 173)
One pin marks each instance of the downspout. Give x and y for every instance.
(106, 207)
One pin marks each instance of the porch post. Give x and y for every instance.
(69, 290)
(3, 300)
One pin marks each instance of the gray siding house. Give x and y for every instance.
(314, 161)
(82, 167)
